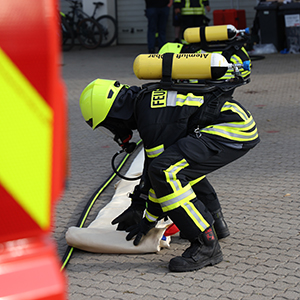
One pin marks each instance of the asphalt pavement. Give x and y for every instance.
(259, 194)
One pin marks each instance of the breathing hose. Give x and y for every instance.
(117, 172)
(68, 253)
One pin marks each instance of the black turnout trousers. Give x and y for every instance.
(177, 174)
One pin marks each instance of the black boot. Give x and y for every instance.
(220, 225)
(204, 251)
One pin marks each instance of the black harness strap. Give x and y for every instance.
(211, 107)
(167, 62)
(202, 34)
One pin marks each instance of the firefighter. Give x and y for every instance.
(181, 147)
(235, 53)
(192, 12)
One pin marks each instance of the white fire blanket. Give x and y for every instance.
(102, 237)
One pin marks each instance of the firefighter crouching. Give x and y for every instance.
(181, 146)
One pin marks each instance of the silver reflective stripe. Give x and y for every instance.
(197, 100)
(144, 196)
(192, 11)
(150, 217)
(154, 153)
(177, 199)
(173, 100)
(242, 137)
(232, 145)
(236, 60)
(232, 107)
(180, 100)
(188, 206)
(236, 125)
(171, 173)
(151, 194)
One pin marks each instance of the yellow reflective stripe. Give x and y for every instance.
(193, 11)
(176, 199)
(237, 60)
(245, 73)
(240, 126)
(150, 217)
(193, 182)
(195, 215)
(236, 109)
(26, 134)
(232, 134)
(154, 152)
(228, 75)
(152, 196)
(238, 131)
(171, 172)
(189, 99)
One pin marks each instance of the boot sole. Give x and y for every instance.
(222, 235)
(209, 262)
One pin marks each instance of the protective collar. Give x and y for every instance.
(123, 105)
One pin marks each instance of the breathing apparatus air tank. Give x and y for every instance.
(212, 33)
(184, 66)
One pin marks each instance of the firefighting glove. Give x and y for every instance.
(134, 213)
(139, 230)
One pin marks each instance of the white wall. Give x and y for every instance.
(132, 23)
(88, 7)
(64, 6)
(109, 7)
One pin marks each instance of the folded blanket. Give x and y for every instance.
(102, 237)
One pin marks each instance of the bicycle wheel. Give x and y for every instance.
(109, 29)
(89, 33)
(67, 35)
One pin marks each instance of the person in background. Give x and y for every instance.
(157, 13)
(177, 25)
(192, 12)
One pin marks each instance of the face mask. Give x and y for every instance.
(122, 133)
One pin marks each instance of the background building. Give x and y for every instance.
(132, 22)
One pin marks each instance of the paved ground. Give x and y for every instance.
(259, 194)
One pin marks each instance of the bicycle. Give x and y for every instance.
(67, 35)
(85, 29)
(108, 25)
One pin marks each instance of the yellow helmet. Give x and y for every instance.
(97, 99)
(170, 47)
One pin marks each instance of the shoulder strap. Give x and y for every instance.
(167, 63)
(211, 107)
